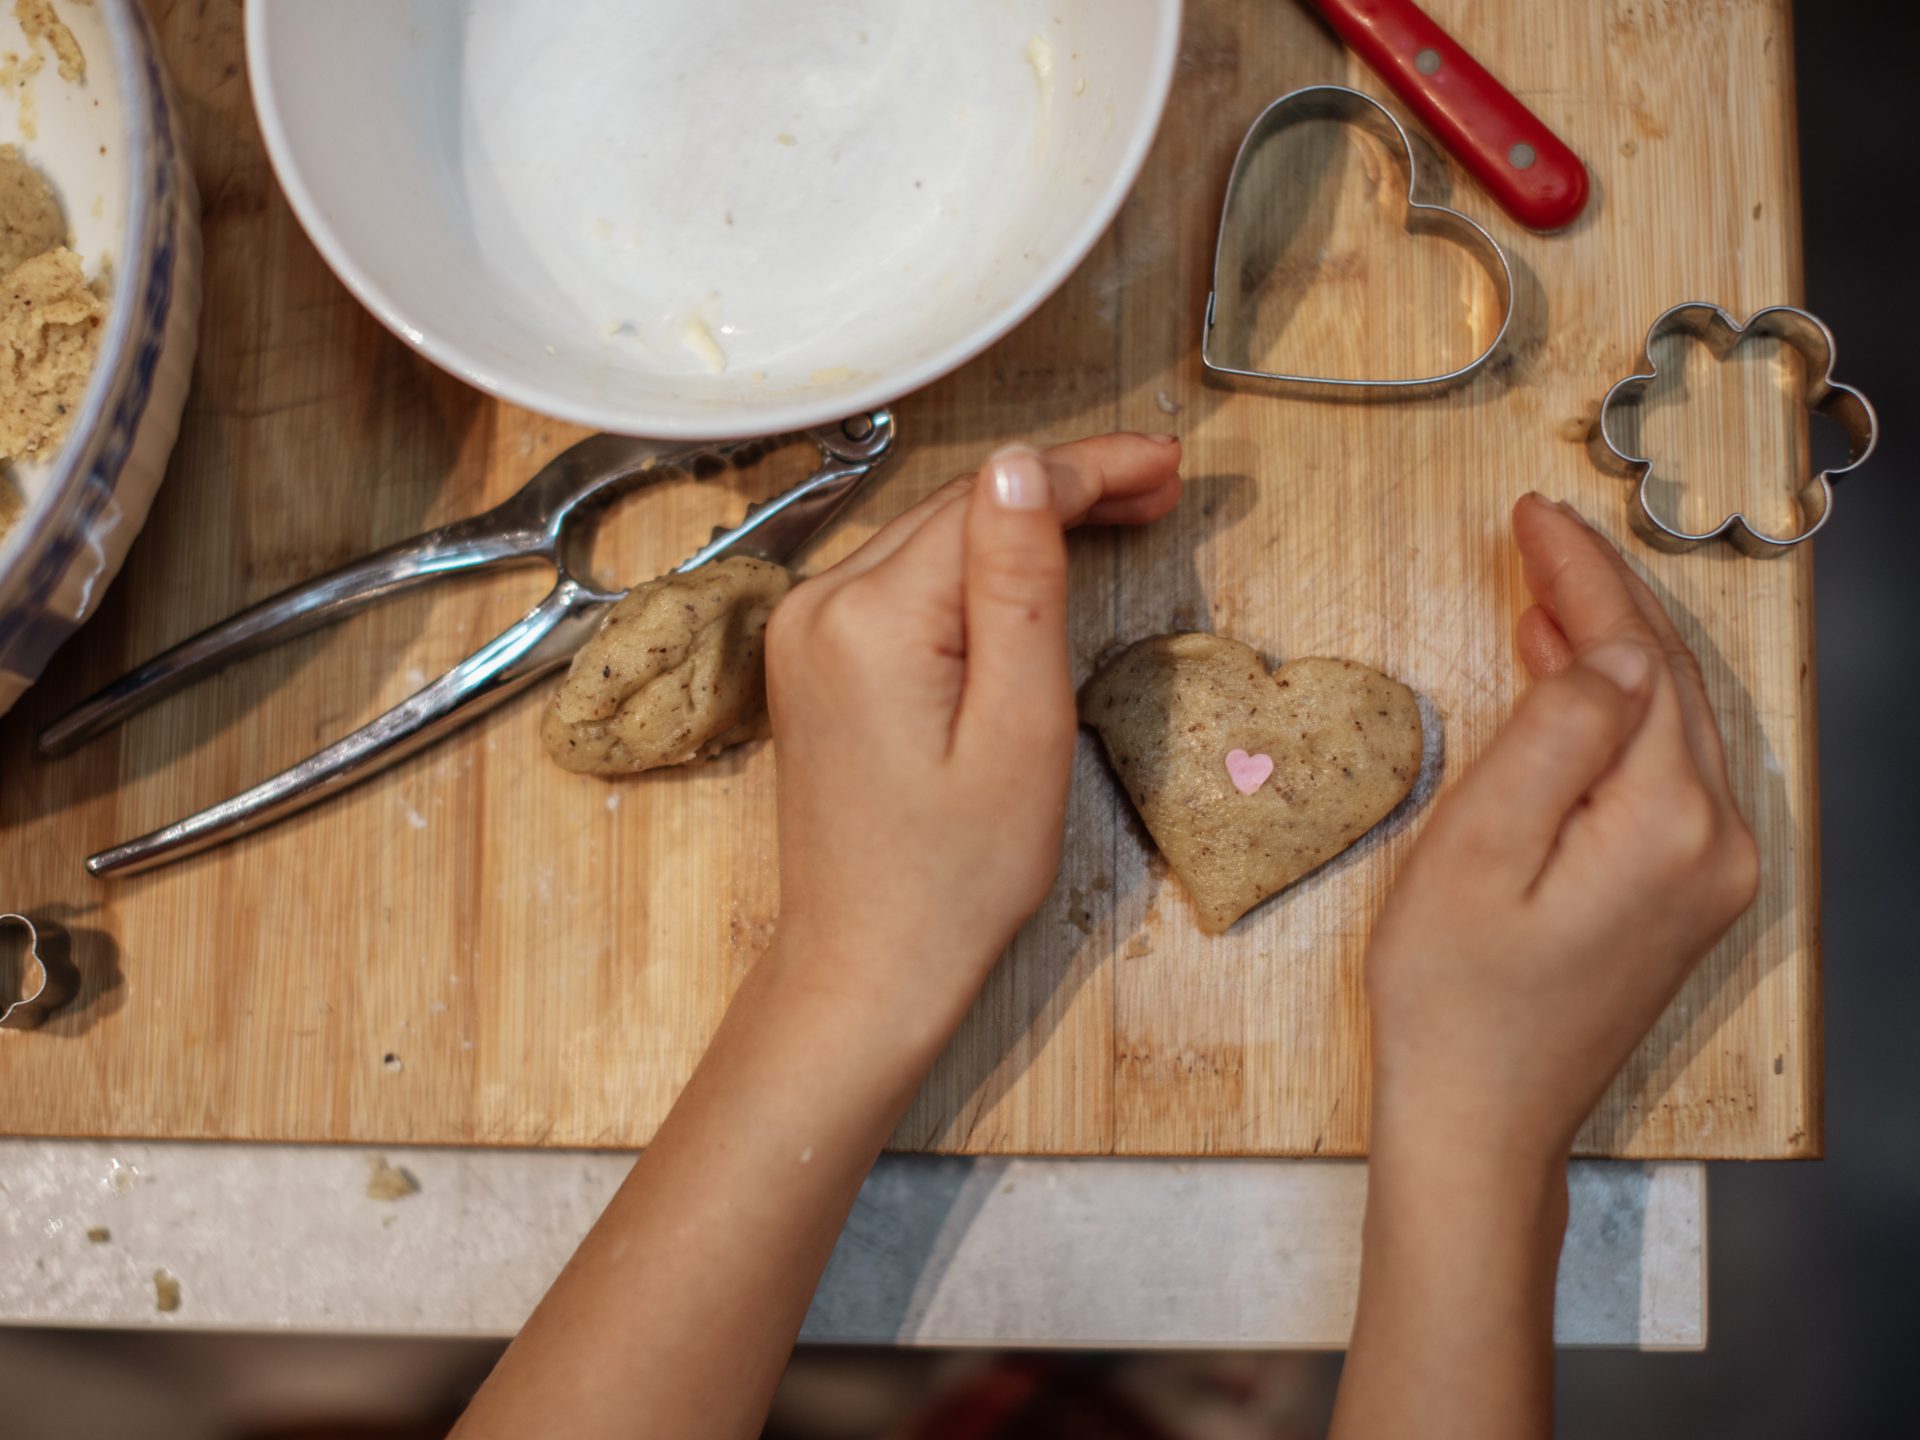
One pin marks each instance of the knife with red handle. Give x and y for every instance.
(1504, 145)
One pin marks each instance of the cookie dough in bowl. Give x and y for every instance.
(98, 343)
(50, 320)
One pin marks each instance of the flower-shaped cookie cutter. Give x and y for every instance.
(48, 979)
(1352, 107)
(1721, 333)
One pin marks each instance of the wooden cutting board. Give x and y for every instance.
(478, 948)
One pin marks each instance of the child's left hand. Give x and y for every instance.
(923, 721)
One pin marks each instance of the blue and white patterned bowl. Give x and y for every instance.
(114, 149)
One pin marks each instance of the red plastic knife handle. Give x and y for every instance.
(1504, 145)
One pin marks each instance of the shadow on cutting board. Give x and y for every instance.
(1719, 986)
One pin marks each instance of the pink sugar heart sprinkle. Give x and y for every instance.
(1248, 772)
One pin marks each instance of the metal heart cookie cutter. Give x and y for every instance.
(1351, 107)
(1824, 395)
(47, 979)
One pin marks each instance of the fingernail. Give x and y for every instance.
(1625, 665)
(1019, 478)
(1164, 439)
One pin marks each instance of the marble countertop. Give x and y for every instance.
(1020, 1252)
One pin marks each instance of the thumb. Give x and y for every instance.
(1017, 682)
(1566, 734)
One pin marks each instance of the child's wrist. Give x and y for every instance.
(1487, 1164)
(894, 1006)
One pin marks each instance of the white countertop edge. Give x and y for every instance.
(1080, 1253)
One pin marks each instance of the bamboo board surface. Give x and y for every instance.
(478, 948)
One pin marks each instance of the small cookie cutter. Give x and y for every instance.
(1721, 333)
(56, 981)
(1352, 107)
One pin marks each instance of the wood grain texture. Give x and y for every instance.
(477, 947)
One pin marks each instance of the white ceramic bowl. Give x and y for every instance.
(113, 150)
(707, 218)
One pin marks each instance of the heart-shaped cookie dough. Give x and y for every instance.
(1344, 739)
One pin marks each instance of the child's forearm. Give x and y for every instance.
(1454, 1333)
(923, 720)
(1561, 890)
(677, 1314)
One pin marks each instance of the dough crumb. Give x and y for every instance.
(389, 1182)
(695, 335)
(1040, 57)
(166, 1291)
(98, 1234)
(39, 23)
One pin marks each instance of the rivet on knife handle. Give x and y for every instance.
(1506, 147)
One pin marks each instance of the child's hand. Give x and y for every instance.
(924, 727)
(1567, 885)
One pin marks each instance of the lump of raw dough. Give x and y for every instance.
(1247, 780)
(676, 672)
(30, 220)
(50, 323)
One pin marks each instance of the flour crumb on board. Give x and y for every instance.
(393, 1063)
(1168, 405)
(414, 817)
(166, 1291)
(1577, 429)
(387, 1181)
(613, 802)
(1078, 915)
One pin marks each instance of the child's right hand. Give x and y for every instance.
(1568, 883)
(924, 729)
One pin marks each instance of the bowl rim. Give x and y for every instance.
(730, 422)
(52, 511)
